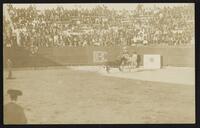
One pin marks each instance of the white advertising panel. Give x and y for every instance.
(152, 61)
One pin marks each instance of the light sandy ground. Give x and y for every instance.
(177, 75)
(66, 96)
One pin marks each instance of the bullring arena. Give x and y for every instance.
(59, 63)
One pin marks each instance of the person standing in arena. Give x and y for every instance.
(134, 59)
(125, 55)
(9, 65)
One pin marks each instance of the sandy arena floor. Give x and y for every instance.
(67, 96)
(177, 75)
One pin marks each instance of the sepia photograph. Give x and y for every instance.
(98, 63)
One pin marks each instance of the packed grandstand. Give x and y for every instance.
(100, 26)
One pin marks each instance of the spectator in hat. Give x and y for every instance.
(14, 113)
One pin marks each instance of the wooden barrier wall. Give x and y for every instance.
(171, 56)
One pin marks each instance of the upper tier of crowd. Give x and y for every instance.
(100, 26)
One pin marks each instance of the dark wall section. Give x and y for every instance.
(23, 58)
(171, 56)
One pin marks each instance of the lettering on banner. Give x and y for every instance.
(99, 56)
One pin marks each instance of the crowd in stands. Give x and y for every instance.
(100, 26)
